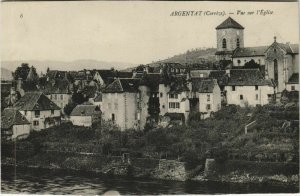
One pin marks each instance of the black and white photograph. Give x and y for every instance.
(149, 97)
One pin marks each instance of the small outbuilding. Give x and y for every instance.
(85, 115)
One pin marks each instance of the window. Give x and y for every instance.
(174, 105)
(241, 97)
(239, 62)
(275, 70)
(177, 105)
(37, 113)
(163, 106)
(52, 112)
(256, 87)
(224, 44)
(275, 50)
(259, 61)
(35, 123)
(237, 42)
(55, 97)
(161, 94)
(208, 106)
(256, 97)
(51, 97)
(25, 112)
(113, 118)
(208, 97)
(173, 96)
(61, 97)
(233, 88)
(292, 88)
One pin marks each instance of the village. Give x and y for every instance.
(159, 93)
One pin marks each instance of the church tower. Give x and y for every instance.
(230, 35)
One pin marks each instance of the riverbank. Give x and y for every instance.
(169, 170)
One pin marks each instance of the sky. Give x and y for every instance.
(131, 31)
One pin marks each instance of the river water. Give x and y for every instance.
(41, 181)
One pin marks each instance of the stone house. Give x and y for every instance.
(121, 103)
(39, 110)
(85, 115)
(104, 76)
(248, 87)
(14, 125)
(293, 83)
(208, 96)
(243, 55)
(174, 96)
(282, 60)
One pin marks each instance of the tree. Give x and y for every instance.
(69, 108)
(251, 65)
(78, 98)
(23, 70)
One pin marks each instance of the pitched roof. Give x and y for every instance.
(85, 110)
(178, 85)
(35, 101)
(247, 77)
(123, 85)
(219, 75)
(123, 74)
(203, 85)
(294, 79)
(107, 75)
(60, 86)
(229, 23)
(151, 80)
(10, 117)
(250, 51)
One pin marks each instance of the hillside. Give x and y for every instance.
(66, 65)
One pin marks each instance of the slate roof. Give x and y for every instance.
(294, 79)
(229, 23)
(85, 110)
(35, 101)
(219, 75)
(151, 80)
(203, 85)
(178, 85)
(123, 85)
(249, 51)
(10, 117)
(123, 74)
(58, 87)
(107, 75)
(247, 77)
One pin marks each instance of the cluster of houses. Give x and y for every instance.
(163, 92)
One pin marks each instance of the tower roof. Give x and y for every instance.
(230, 23)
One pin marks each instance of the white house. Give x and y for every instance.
(121, 103)
(13, 124)
(208, 93)
(293, 83)
(85, 115)
(248, 87)
(39, 110)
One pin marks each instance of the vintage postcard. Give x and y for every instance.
(147, 98)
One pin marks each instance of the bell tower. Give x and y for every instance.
(230, 35)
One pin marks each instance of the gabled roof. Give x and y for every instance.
(249, 51)
(230, 23)
(35, 101)
(203, 85)
(123, 74)
(151, 80)
(178, 85)
(107, 75)
(294, 79)
(247, 77)
(219, 75)
(85, 110)
(123, 85)
(287, 47)
(60, 86)
(10, 117)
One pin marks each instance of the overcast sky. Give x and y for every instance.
(131, 31)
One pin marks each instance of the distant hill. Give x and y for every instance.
(197, 55)
(6, 74)
(67, 66)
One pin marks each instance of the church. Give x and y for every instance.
(280, 61)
